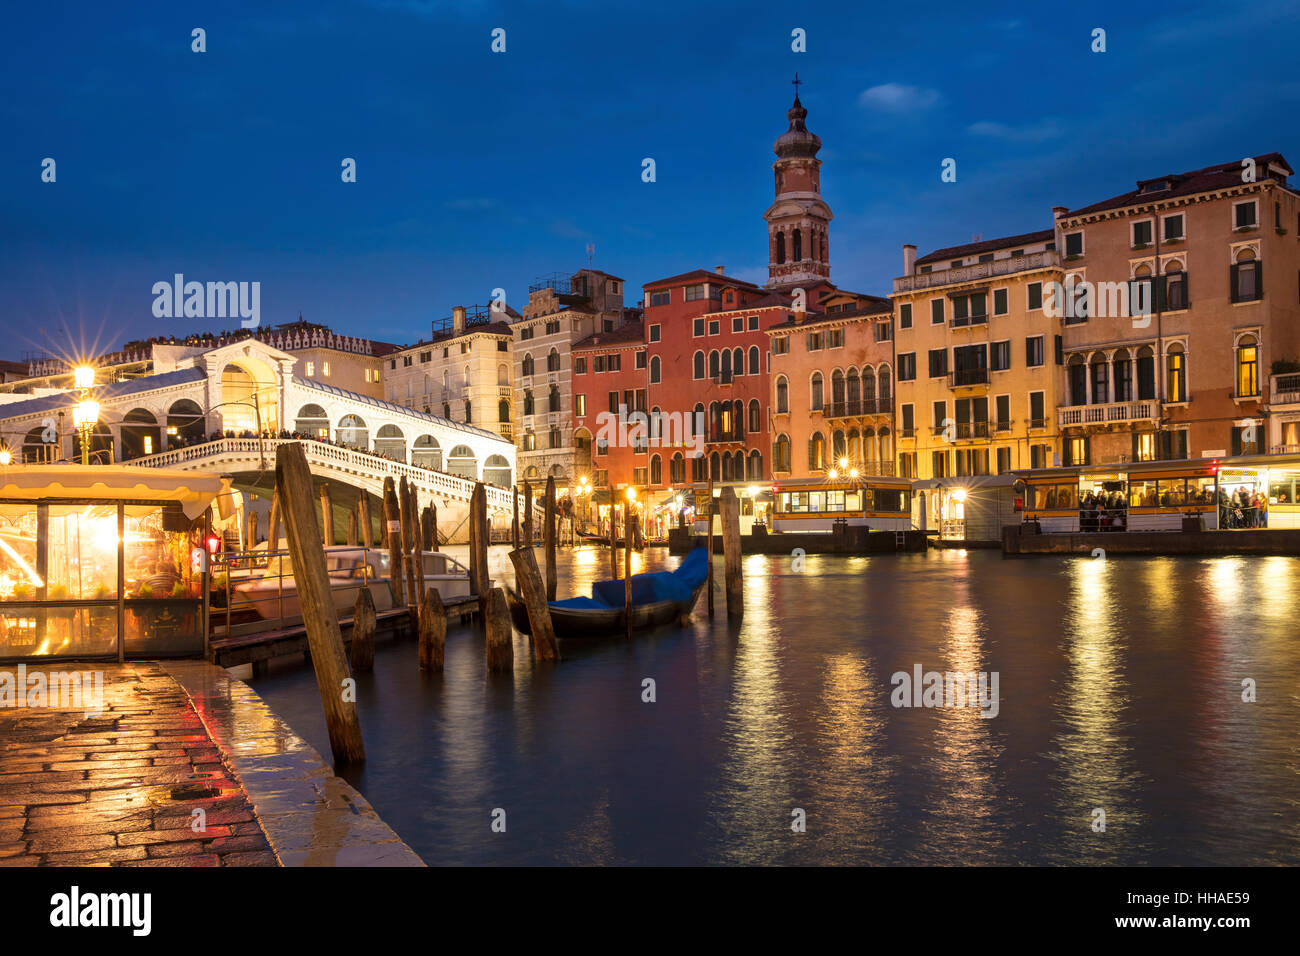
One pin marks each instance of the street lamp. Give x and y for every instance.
(85, 414)
(6, 456)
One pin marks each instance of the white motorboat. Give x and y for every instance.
(274, 595)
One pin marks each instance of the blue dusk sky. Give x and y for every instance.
(478, 169)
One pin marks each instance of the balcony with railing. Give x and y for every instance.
(968, 377)
(973, 273)
(969, 430)
(1110, 414)
(1284, 389)
(723, 378)
(724, 436)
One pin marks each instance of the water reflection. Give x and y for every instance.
(1120, 689)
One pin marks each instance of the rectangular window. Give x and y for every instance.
(715, 327)
(1074, 243)
(835, 338)
(598, 363)
(660, 298)
(1243, 215)
(1142, 233)
(938, 363)
(882, 330)
(615, 363)
(1173, 228)
(613, 402)
(1000, 306)
(694, 292)
(936, 312)
(1037, 412)
(580, 365)
(753, 323)
(738, 323)
(1004, 460)
(940, 412)
(311, 369)
(697, 328)
(814, 341)
(655, 333)
(1035, 295)
(780, 345)
(907, 367)
(905, 315)
(939, 464)
(1034, 351)
(580, 405)
(909, 422)
(1000, 357)
(640, 360)
(1002, 412)
(970, 309)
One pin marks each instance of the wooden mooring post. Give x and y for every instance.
(528, 514)
(320, 619)
(529, 581)
(500, 635)
(326, 516)
(731, 553)
(392, 527)
(363, 633)
(415, 554)
(429, 539)
(433, 631)
(628, 519)
(273, 525)
(548, 538)
(710, 512)
(252, 530)
(367, 528)
(514, 525)
(613, 536)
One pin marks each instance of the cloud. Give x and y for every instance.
(898, 98)
(1038, 132)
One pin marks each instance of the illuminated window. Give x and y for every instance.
(311, 369)
(1247, 366)
(1176, 378)
(325, 367)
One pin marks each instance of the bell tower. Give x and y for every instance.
(798, 236)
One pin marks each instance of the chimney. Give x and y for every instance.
(458, 320)
(720, 270)
(909, 259)
(1059, 211)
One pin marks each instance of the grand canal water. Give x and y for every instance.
(1120, 682)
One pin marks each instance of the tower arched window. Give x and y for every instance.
(780, 248)
(798, 245)
(782, 395)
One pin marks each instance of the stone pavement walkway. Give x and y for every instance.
(122, 788)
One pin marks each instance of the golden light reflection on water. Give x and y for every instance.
(1094, 757)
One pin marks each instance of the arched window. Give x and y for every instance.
(656, 470)
(738, 419)
(699, 365)
(798, 246)
(1146, 373)
(37, 449)
(503, 410)
(780, 248)
(852, 390)
(528, 401)
(1245, 276)
(1247, 366)
(714, 364)
(755, 416)
(754, 470)
(503, 374)
(1100, 370)
(677, 469)
(815, 402)
(837, 392)
(656, 424)
(696, 425)
(553, 360)
(715, 467)
(186, 418)
(781, 454)
(782, 396)
(353, 432)
(654, 370)
(855, 445)
(462, 462)
(726, 363)
(1175, 286)
(1076, 377)
(1176, 374)
(839, 446)
(496, 471)
(528, 364)
(469, 415)
(816, 452)
(738, 361)
(754, 364)
(882, 387)
(554, 399)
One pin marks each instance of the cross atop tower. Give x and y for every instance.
(796, 81)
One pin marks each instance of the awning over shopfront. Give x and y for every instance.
(192, 490)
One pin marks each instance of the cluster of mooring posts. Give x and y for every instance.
(406, 533)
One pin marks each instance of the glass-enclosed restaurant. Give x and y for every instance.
(103, 563)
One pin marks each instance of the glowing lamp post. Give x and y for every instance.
(5, 456)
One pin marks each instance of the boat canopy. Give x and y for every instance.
(193, 490)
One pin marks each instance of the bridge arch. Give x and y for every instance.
(426, 452)
(140, 434)
(496, 470)
(312, 421)
(390, 442)
(185, 423)
(353, 432)
(462, 461)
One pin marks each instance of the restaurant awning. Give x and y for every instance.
(193, 490)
